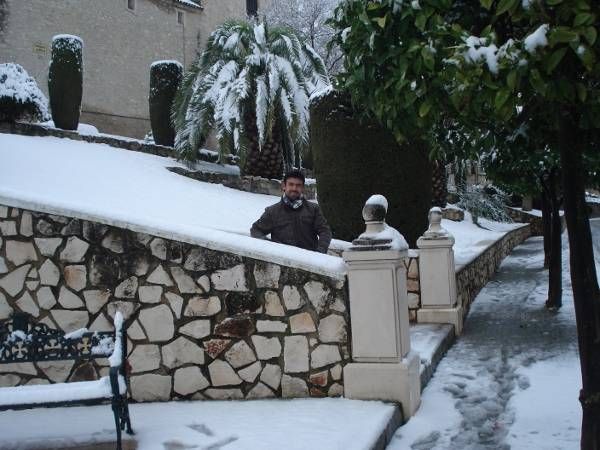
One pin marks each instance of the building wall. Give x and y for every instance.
(201, 323)
(119, 46)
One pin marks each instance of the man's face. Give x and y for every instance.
(293, 188)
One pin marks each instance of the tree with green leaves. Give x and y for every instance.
(251, 85)
(413, 63)
(521, 164)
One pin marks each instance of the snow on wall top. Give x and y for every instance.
(134, 191)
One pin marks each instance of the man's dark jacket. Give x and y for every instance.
(304, 227)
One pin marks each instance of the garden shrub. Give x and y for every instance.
(65, 81)
(165, 77)
(20, 97)
(354, 159)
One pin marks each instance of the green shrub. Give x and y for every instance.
(354, 159)
(65, 81)
(20, 97)
(165, 77)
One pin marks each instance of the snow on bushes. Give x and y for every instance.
(20, 97)
(251, 85)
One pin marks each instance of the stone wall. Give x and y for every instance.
(518, 215)
(472, 277)
(258, 185)
(537, 226)
(593, 209)
(413, 284)
(201, 323)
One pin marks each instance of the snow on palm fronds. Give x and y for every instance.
(248, 71)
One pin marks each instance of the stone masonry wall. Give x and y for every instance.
(201, 323)
(413, 285)
(472, 277)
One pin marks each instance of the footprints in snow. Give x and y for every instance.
(202, 429)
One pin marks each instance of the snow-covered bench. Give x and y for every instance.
(22, 341)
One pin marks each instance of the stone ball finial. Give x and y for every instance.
(435, 229)
(375, 209)
(378, 235)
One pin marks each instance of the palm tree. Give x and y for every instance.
(252, 85)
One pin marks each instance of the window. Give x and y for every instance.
(252, 7)
(131, 5)
(180, 17)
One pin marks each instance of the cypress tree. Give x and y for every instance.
(65, 81)
(165, 77)
(354, 159)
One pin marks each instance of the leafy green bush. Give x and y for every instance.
(354, 159)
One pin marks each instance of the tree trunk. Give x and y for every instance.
(555, 258)
(586, 294)
(439, 184)
(546, 226)
(268, 161)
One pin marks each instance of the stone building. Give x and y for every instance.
(121, 39)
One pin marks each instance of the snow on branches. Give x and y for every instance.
(250, 76)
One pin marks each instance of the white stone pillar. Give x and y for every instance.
(437, 275)
(383, 367)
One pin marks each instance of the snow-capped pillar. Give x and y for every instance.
(437, 275)
(383, 366)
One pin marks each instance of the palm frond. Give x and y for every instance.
(248, 70)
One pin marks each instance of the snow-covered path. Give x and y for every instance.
(512, 379)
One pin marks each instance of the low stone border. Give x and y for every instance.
(135, 145)
(445, 339)
(473, 276)
(256, 185)
(593, 209)
(537, 226)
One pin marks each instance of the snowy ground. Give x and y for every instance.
(512, 379)
(302, 424)
(118, 186)
(322, 424)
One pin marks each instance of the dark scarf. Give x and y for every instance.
(294, 204)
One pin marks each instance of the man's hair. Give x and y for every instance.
(295, 173)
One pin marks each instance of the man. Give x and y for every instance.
(294, 220)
